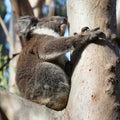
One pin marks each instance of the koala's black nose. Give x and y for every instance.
(65, 21)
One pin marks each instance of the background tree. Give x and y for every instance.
(95, 90)
(4, 40)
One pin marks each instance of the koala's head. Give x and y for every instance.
(27, 24)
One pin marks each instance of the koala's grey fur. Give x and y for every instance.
(41, 75)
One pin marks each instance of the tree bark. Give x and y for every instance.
(21, 7)
(51, 5)
(95, 90)
(93, 13)
(118, 16)
(26, 110)
(37, 7)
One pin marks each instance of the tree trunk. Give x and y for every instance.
(97, 94)
(93, 13)
(118, 16)
(51, 5)
(21, 7)
(37, 7)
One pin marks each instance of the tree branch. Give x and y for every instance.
(17, 108)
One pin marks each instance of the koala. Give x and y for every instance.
(41, 76)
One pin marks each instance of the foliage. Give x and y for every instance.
(3, 73)
(60, 9)
(2, 8)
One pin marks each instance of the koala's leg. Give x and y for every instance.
(50, 86)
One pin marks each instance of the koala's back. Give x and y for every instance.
(42, 81)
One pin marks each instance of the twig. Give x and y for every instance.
(9, 59)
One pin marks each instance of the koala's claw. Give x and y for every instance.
(85, 29)
(94, 33)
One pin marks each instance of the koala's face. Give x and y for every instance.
(56, 23)
(27, 24)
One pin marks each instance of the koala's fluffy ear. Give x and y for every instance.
(25, 24)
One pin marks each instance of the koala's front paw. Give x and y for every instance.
(96, 33)
(93, 34)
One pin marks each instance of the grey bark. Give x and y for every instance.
(95, 77)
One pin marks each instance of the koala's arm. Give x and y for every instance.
(60, 46)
